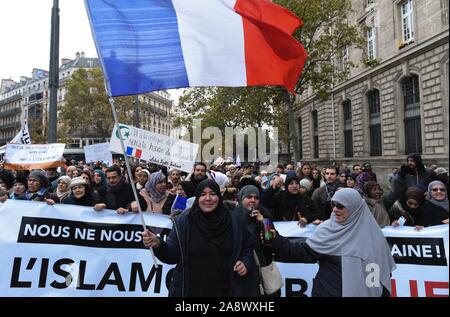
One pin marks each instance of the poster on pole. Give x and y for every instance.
(34, 156)
(155, 148)
(98, 152)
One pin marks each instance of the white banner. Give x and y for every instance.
(66, 250)
(98, 152)
(34, 156)
(155, 148)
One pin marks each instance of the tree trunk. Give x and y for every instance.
(290, 100)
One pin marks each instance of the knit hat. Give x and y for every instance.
(20, 178)
(7, 177)
(77, 181)
(247, 191)
(440, 171)
(305, 183)
(41, 176)
(290, 180)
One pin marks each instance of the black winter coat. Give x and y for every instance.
(175, 251)
(287, 206)
(328, 280)
(122, 196)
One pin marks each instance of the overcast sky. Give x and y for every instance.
(25, 35)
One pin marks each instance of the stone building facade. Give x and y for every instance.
(394, 103)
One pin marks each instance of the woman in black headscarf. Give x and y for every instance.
(209, 246)
(252, 214)
(184, 189)
(409, 207)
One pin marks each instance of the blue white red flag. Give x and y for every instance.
(147, 45)
(134, 152)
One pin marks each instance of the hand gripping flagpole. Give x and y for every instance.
(116, 122)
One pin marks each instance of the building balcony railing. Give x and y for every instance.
(10, 112)
(10, 99)
(10, 125)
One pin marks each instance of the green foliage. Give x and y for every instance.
(86, 111)
(325, 34)
(233, 107)
(371, 62)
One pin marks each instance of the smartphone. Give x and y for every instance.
(267, 234)
(401, 220)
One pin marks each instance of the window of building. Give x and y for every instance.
(75, 144)
(300, 138)
(444, 12)
(344, 59)
(315, 121)
(411, 100)
(371, 41)
(348, 133)
(406, 13)
(374, 123)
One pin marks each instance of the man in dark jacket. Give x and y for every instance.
(199, 174)
(412, 173)
(322, 196)
(119, 194)
(291, 205)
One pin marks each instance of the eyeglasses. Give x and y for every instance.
(337, 205)
(438, 189)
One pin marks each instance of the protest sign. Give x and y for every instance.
(34, 156)
(155, 148)
(98, 152)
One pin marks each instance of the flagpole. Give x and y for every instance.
(54, 73)
(130, 177)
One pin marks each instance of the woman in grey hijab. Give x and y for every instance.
(437, 194)
(155, 192)
(353, 255)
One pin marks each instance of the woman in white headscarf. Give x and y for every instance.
(353, 255)
(63, 189)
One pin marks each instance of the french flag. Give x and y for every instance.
(134, 152)
(147, 45)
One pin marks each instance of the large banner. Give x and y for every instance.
(66, 250)
(155, 148)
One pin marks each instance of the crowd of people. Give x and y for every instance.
(221, 223)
